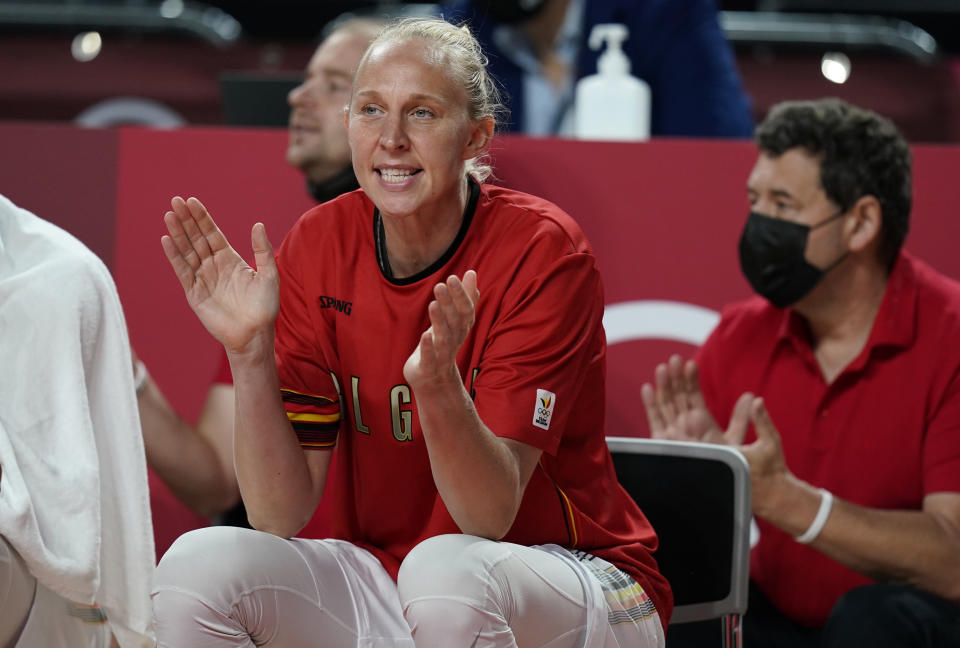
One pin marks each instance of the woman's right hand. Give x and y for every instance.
(236, 303)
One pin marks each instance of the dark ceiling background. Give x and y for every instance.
(302, 19)
(182, 67)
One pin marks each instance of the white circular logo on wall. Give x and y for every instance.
(650, 319)
(135, 111)
(663, 320)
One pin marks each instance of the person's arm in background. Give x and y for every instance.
(195, 461)
(920, 548)
(906, 546)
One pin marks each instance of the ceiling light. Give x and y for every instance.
(86, 46)
(835, 66)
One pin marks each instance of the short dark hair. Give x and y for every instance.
(861, 153)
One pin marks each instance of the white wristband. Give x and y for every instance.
(140, 375)
(826, 503)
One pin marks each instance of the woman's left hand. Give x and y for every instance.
(451, 313)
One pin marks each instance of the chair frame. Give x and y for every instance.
(731, 607)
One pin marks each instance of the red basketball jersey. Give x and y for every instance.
(534, 364)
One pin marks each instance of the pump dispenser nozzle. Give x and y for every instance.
(612, 60)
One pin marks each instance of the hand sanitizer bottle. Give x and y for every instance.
(612, 104)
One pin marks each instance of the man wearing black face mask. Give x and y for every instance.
(848, 368)
(773, 257)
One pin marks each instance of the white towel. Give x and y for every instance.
(73, 493)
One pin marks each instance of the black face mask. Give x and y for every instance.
(772, 258)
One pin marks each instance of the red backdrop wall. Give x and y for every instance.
(663, 216)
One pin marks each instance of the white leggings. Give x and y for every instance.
(225, 586)
(17, 587)
(32, 615)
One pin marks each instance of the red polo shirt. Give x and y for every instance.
(884, 434)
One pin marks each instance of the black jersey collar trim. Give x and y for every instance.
(380, 240)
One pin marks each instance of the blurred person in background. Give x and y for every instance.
(318, 141)
(76, 544)
(847, 364)
(538, 50)
(196, 460)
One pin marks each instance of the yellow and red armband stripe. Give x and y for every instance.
(315, 419)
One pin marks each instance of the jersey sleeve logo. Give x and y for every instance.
(543, 408)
